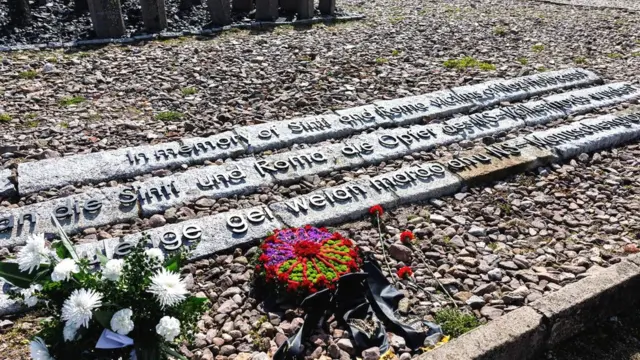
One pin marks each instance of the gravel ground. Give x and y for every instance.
(620, 4)
(57, 21)
(495, 247)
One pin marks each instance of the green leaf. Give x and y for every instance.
(103, 259)
(12, 274)
(103, 318)
(65, 240)
(173, 263)
(61, 250)
(170, 351)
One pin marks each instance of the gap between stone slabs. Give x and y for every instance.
(129, 162)
(351, 200)
(246, 175)
(526, 332)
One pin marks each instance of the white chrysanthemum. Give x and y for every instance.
(121, 321)
(168, 328)
(168, 288)
(63, 270)
(113, 269)
(155, 253)
(69, 332)
(32, 254)
(27, 294)
(78, 308)
(39, 350)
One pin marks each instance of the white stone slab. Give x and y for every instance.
(279, 134)
(7, 188)
(352, 200)
(233, 178)
(124, 163)
(129, 162)
(585, 100)
(588, 135)
(83, 216)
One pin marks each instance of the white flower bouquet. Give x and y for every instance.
(132, 308)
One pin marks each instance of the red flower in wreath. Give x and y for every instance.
(376, 210)
(405, 272)
(407, 237)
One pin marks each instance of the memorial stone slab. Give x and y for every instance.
(242, 5)
(74, 213)
(585, 100)
(266, 10)
(498, 161)
(233, 178)
(129, 162)
(220, 12)
(208, 234)
(7, 188)
(327, 7)
(244, 176)
(339, 203)
(353, 199)
(125, 163)
(279, 134)
(289, 6)
(588, 135)
(305, 9)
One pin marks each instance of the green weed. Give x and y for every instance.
(499, 31)
(71, 100)
(523, 61)
(32, 124)
(485, 66)
(395, 52)
(580, 60)
(381, 60)
(5, 117)
(614, 56)
(29, 74)
(169, 116)
(189, 91)
(537, 48)
(454, 322)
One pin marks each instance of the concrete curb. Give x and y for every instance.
(256, 25)
(526, 332)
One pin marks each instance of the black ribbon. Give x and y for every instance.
(365, 302)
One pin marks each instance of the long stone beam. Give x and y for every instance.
(123, 203)
(129, 162)
(352, 199)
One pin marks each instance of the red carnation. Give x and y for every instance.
(405, 272)
(283, 276)
(376, 210)
(407, 237)
(263, 258)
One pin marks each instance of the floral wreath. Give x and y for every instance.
(307, 259)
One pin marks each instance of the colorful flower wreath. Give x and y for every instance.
(306, 259)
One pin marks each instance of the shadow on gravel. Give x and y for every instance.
(616, 339)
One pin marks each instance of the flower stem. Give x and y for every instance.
(384, 251)
(426, 264)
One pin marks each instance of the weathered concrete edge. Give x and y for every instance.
(525, 332)
(173, 35)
